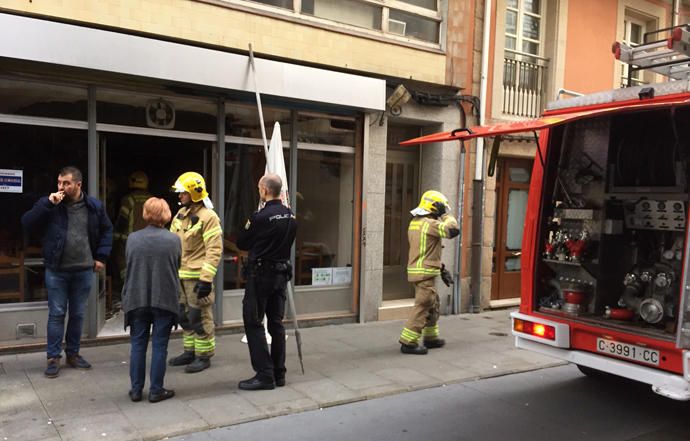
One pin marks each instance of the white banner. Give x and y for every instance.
(275, 162)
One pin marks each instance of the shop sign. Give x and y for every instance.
(11, 180)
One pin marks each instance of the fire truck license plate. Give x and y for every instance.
(625, 350)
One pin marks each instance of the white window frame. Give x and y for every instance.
(519, 37)
(654, 16)
(637, 78)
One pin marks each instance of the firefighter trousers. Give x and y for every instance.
(423, 321)
(203, 340)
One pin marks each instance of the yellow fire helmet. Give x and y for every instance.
(139, 180)
(426, 203)
(194, 184)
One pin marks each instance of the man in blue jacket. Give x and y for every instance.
(76, 235)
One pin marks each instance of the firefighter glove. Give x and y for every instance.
(202, 289)
(195, 321)
(446, 276)
(182, 318)
(440, 208)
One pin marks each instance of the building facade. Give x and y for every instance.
(164, 87)
(117, 86)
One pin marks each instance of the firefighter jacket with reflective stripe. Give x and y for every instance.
(130, 218)
(202, 241)
(424, 235)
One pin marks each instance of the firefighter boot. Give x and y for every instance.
(183, 359)
(198, 365)
(434, 343)
(413, 349)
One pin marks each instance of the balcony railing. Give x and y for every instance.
(524, 84)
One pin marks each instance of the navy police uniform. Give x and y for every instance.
(268, 236)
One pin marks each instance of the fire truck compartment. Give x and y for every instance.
(611, 240)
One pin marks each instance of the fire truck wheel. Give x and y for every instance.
(591, 372)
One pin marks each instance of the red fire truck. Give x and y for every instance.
(605, 252)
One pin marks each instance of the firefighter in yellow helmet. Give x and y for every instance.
(130, 217)
(199, 230)
(430, 224)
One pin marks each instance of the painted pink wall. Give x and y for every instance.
(589, 63)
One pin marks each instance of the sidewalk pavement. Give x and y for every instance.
(343, 363)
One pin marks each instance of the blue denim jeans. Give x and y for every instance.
(140, 322)
(68, 291)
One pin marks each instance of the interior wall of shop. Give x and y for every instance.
(439, 170)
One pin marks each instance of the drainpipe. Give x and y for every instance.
(478, 182)
(457, 280)
(675, 19)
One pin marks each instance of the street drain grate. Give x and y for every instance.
(499, 334)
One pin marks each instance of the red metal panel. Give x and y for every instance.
(549, 120)
(529, 239)
(584, 337)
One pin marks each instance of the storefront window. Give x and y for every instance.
(34, 155)
(244, 166)
(243, 121)
(156, 111)
(325, 192)
(28, 98)
(319, 129)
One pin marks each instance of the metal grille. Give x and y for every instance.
(26, 330)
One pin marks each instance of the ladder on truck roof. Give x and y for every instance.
(669, 56)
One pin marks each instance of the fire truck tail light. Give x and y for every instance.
(535, 329)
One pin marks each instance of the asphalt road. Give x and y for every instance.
(557, 404)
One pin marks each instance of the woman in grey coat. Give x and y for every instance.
(150, 298)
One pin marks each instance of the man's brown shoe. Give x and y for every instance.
(78, 362)
(53, 368)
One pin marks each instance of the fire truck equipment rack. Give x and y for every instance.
(669, 57)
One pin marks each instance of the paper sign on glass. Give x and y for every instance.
(342, 275)
(11, 180)
(321, 276)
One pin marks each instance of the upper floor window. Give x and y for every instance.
(524, 26)
(413, 19)
(633, 35)
(288, 4)
(349, 12)
(524, 67)
(428, 4)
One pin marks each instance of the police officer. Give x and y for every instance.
(268, 236)
(431, 223)
(199, 230)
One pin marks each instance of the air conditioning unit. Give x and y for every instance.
(396, 26)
